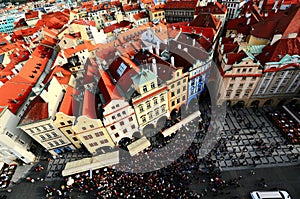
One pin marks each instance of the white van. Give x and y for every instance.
(270, 195)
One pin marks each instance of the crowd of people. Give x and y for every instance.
(162, 174)
(288, 126)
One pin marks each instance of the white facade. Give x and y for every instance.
(13, 142)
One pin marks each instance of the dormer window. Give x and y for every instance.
(152, 85)
(145, 88)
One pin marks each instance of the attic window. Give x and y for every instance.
(31, 76)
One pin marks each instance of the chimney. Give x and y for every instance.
(194, 42)
(173, 61)
(154, 66)
(179, 46)
(185, 49)
(157, 48)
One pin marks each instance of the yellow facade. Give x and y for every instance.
(92, 134)
(177, 90)
(64, 123)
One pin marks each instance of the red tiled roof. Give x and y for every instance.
(235, 57)
(84, 22)
(61, 74)
(284, 22)
(213, 8)
(89, 105)
(107, 88)
(122, 24)
(279, 49)
(14, 92)
(37, 110)
(69, 105)
(31, 15)
(87, 45)
(206, 21)
(230, 48)
(21, 23)
(180, 5)
(140, 15)
(130, 7)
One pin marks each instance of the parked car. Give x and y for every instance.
(280, 194)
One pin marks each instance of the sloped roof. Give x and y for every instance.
(274, 53)
(31, 15)
(213, 8)
(69, 105)
(144, 76)
(284, 22)
(206, 20)
(130, 7)
(180, 5)
(37, 111)
(140, 15)
(107, 88)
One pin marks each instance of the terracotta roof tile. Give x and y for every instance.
(130, 7)
(32, 15)
(177, 5)
(140, 15)
(69, 105)
(213, 8)
(37, 110)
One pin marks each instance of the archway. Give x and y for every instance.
(240, 104)
(161, 123)
(228, 103)
(281, 103)
(268, 102)
(149, 130)
(124, 142)
(137, 135)
(174, 114)
(255, 103)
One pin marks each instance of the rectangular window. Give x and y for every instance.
(244, 70)
(54, 134)
(61, 141)
(50, 144)
(125, 131)
(133, 126)
(130, 119)
(183, 98)
(98, 134)
(155, 101)
(68, 131)
(119, 114)
(92, 126)
(56, 143)
(178, 91)
(184, 88)
(122, 123)
(173, 103)
(117, 135)
(124, 112)
(83, 128)
(244, 78)
(152, 85)
(113, 127)
(178, 100)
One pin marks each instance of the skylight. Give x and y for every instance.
(121, 69)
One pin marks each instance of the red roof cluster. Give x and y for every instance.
(130, 7)
(284, 22)
(213, 8)
(140, 15)
(122, 24)
(180, 5)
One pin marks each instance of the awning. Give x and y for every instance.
(97, 162)
(1, 165)
(177, 126)
(138, 145)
